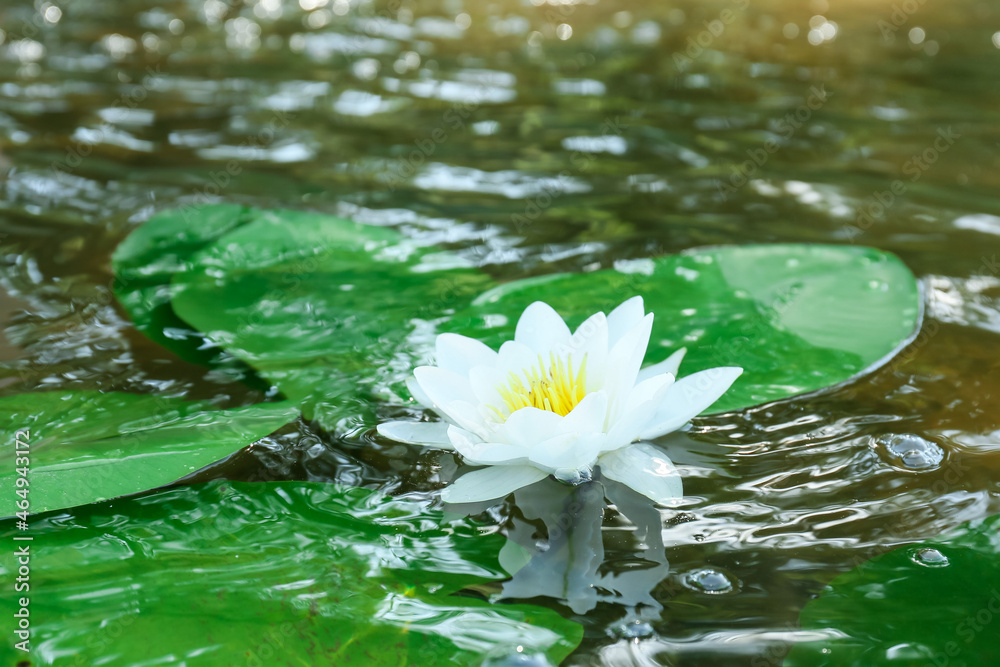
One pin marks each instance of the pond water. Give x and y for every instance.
(532, 138)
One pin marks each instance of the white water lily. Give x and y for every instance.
(555, 402)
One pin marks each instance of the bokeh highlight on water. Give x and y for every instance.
(540, 137)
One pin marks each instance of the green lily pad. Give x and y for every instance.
(797, 318)
(85, 446)
(153, 254)
(936, 603)
(329, 310)
(281, 573)
(318, 305)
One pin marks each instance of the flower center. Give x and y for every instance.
(555, 387)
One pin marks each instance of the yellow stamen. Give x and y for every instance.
(554, 387)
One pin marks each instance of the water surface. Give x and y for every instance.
(534, 138)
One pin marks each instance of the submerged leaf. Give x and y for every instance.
(935, 603)
(282, 573)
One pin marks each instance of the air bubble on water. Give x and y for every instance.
(910, 451)
(633, 630)
(930, 557)
(709, 580)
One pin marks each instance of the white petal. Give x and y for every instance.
(458, 436)
(643, 402)
(490, 483)
(459, 354)
(588, 416)
(441, 386)
(590, 342)
(624, 361)
(470, 416)
(669, 365)
(590, 328)
(477, 452)
(528, 427)
(689, 397)
(541, 329)
(648, 389)
(645, 469)
(451, 396)
(431, 434)
(494, 454)
(623, 318)
(570, 451)
(514, 357)
(418, 394)
(485, 381)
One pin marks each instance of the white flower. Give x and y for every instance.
(551, 402)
